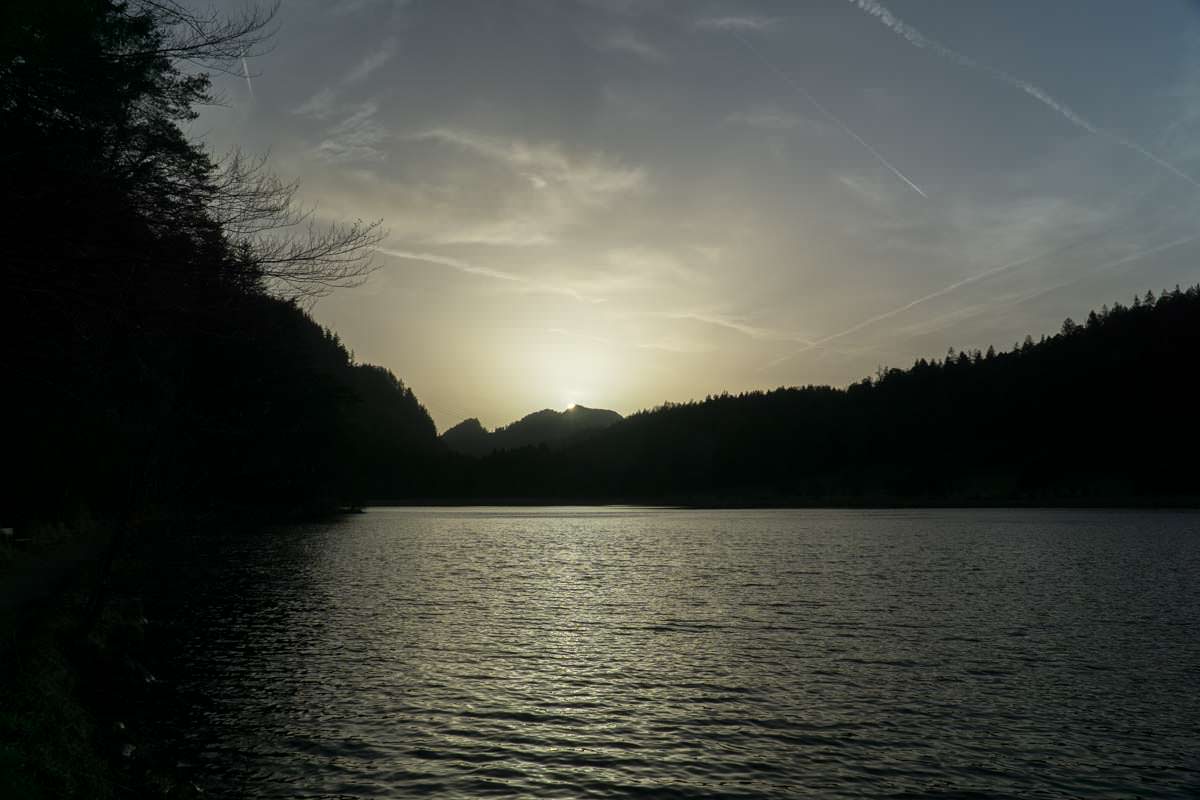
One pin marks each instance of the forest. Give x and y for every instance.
(163, 375)
(159, 355)
(1072, 419)
(161, 361)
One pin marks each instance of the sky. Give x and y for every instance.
(618, 203)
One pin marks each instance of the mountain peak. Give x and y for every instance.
(545, 427)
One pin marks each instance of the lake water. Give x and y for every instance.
(609, 652)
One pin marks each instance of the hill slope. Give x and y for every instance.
(1100, 413)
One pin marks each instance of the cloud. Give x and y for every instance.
(627, 42)
(592, 180)
(735, 324)
(520, 283)
(520, 194)
(865, 189)
(738, 24)
(646, 262)
(355, 138)
(372, 61)
(918, 39)
(1056, 228)
(453, 263)
(836, 120)
(320, 105)
(1136, 255)
(515, 232)
(323, 104)
(774, 119)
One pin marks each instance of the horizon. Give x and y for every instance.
(618, 205)
(897, 307)
(932, 359)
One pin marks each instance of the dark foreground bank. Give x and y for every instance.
(85, 681)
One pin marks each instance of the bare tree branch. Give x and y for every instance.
(296, 256)
(209, 40)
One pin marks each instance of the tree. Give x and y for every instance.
(280, 241)
(149, 297)
(92, 96)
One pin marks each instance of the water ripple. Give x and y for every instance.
(658, 653)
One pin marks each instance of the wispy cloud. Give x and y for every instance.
(942, 292)
(774, 119)
(356, 138)
(589, 180)
(736, 24)
(632, 44)
(736, 324)
(957, 316)
(319, 105)
(918, 39)
(453, 263)
(538, 191)
(323, 103)
(653, 263)
(836, 120)
(519, 283)
(864, 188)
(520, 231)
(1137, 255)
(372, 61)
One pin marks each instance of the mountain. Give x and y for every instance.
(1101, 413)
(468, 437)
(546, 427)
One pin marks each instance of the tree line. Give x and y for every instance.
(160, 358)
(158, 354)
(1100, 413)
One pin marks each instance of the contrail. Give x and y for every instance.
(453, 263)
(246, 72)
(787, 79)
(1135, 256)
(918, 39)
(487, 272)
(933, 296)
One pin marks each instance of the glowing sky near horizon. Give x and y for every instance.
(618, 203)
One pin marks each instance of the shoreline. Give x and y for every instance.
(1130, 504)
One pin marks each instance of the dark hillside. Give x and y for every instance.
(158, 358)
(1075, 418)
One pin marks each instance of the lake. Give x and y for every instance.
(629, 652)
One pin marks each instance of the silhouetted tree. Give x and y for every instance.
(1034, 425)
(149, 307)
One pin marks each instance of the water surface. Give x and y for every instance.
(598, 652)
